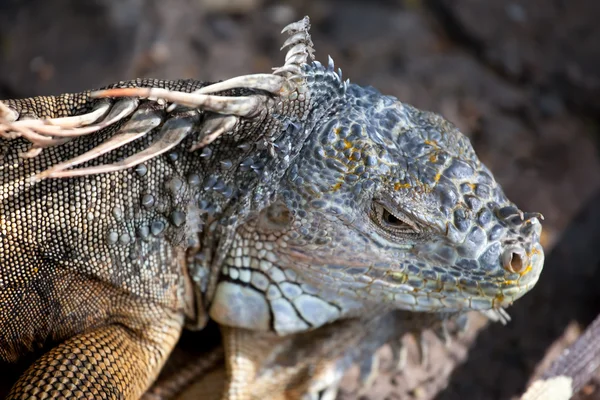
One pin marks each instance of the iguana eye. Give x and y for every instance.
(393, 223)
(391, 219)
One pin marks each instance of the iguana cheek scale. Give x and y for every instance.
(274, 204)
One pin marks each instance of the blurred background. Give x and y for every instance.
(521, 78)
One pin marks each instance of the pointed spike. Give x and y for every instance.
(267, 82)
(302, 25)
(340, 74)
(44, 132)
(291, 68)
(120, 110)
(172, 133)
(213, 128)
(126, 92)
(226, 164)
(296, 60)
(296, 39)
(227, 192)
(140, 123)
(330, 64)
(173, 107)
(293, 127)
(210, 182)
(219, 186)
(33, 137)
(247, 163)
(82, 120)
(206, 152)
(297, 49)
(271, 150)
(50, 130)
(243, 106)
(141, 170)
(203, 205)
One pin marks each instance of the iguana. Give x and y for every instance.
(278, 205)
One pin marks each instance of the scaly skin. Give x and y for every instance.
(385, 207)
(306, 200)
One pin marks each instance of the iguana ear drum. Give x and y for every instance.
(275, 218)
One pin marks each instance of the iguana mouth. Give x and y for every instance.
(416, 285)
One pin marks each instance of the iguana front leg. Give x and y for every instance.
(111, 362)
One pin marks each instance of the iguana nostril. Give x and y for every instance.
(516, 264)
(514, 260)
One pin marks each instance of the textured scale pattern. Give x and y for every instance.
(94, 255)
(108, 363)
(121, 236)
(49, 229)
(312, 218)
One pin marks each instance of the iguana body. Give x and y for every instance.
(306, 200)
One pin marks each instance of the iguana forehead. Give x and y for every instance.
(416, 156)
(399, 134)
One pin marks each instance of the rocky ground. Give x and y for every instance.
(521, 78)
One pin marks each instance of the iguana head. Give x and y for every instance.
(385, 206)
